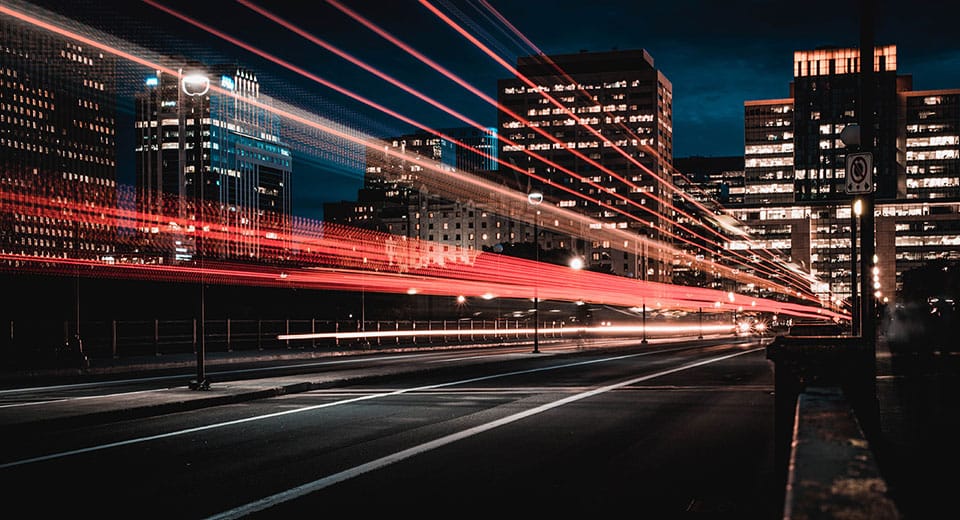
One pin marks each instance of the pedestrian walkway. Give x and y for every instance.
(96, 410)
(25, 418)
(918, 453)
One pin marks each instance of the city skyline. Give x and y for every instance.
(716, 58)
(625, 100)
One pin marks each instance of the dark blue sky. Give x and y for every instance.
(716, 54)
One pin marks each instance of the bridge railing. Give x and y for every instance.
(26, 343)
(826, 417)
(51, 343)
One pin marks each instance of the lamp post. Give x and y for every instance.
(196, 86)
(700, 313)
(644, 340)
(866, 117)
(534, 198)
(854, 298)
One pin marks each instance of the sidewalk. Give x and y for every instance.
(24, 419)
(918, 454)
(83, 412)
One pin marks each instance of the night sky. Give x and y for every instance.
(716, 54)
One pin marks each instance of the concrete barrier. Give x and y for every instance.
(804, 363)
(832, 471)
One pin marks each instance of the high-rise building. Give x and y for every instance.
(57, 142)
(826, 87)
(768, 151)
(710, 179)
(463, 149)
(394, 197)
(797, 141)
(201, 136)
(806, 151)
(709, 183)
(552, 130)
(933, 144)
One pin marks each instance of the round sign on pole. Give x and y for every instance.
(860, 173)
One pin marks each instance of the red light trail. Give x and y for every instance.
(368, 68)
(682, 193)
(336, 248)
(386, 35)
(444, 173)
(376, 267)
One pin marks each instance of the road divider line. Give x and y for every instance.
(317, 485)
(197, 429)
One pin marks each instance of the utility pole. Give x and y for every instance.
(865, 398)
(867, 119)
(196, 86)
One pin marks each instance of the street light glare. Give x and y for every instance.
(195, 84)
(576, 263)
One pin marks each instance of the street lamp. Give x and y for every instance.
(700, 313)
(644, 340)
(197, 85)
(576, 263)
(535, 198)
(854, 296)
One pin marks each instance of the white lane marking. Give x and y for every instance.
(316, 485)
(99, 396)
(114, 382)
(311, 408)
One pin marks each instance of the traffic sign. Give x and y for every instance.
(860, 173)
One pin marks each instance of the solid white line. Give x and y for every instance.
(81, 398)
(115, 382)
(309, 408)
(355, 471)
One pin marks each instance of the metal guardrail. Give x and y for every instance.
(47, 344)
(50, 343)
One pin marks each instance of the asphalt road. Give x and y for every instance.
(649, 432)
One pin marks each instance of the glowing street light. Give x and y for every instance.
(195, 84)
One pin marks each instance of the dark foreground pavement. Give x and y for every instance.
(918, 396)
(919, 450)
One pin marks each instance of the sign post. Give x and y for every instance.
(860, 173)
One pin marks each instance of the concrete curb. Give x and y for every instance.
(832, 471)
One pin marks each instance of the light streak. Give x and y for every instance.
(656, 330)
(775, 260)
(549, 136)
(329, 279)
(341, 90)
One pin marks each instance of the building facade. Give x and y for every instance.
(395, 199)
(932, 144)
(768, 137)
(710, 179)
(600, 123)
(826, 86)
(796, 141)
(816, 237)
(203, 142)
(57, 144)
